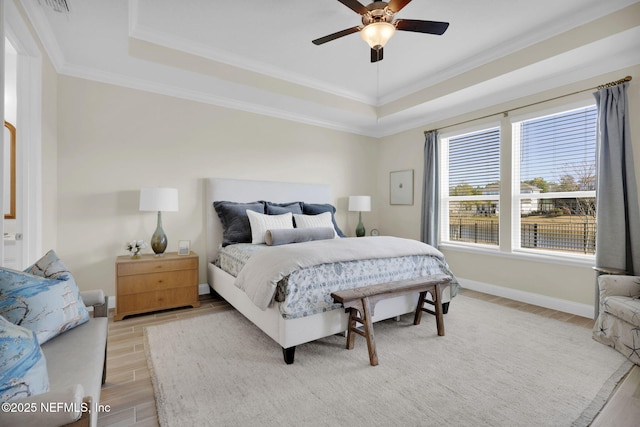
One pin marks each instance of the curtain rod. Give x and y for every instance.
(505, 113)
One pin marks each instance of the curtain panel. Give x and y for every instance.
(430, 191)
(618, 211)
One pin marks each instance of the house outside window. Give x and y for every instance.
(556, 155)
(470, 185)
(550, 199)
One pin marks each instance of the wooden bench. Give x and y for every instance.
(360, 304)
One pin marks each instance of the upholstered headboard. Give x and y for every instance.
(238, 190)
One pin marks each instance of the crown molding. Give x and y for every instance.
(152, 35)
(313, 118)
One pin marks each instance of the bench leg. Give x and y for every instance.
(353, 318)
(436, 294)
(364, 309)
(438, 306)
(418, 316)
(368, 331)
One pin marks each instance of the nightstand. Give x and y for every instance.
(152, 283)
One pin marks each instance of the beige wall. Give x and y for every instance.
(574, 283)
(114, 140)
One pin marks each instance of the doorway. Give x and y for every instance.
(11, 238)
(22, 239)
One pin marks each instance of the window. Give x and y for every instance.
(471, 187)
(549, 162)
(555, 170)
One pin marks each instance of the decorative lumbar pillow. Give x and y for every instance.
(46, 306)
(23, 368)
(318, 208)
(235, 223)
(281, 208)
(260, 223)
(322, 220)
(298, 235)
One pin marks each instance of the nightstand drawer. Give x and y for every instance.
(156, 281)
(156, 266)
(156, 300)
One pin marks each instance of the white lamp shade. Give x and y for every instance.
(377, 34)
(159, 199)
(360, 203)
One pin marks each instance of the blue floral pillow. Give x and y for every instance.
(23, 368)
(47, 306)
(49, 266)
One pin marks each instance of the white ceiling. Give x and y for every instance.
(258, 56)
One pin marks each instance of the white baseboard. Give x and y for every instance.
(584, 310)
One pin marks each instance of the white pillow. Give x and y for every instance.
(260, 223)
(322, 220)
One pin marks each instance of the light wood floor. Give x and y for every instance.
(129, 393)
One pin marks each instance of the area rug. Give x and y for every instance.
(496, 366)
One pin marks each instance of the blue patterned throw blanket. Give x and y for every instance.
(302, 276)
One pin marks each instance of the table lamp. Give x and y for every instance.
(360, 204)
(159, 199)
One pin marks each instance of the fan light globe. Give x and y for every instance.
(377, 34)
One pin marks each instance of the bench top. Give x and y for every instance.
(418, 284)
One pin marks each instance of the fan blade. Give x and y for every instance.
(355, 5)
(397, 5)
(417, 26)
(337, 35)
(377, 55)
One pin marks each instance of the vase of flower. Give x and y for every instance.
(135, 247)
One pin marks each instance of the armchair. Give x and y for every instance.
(618, 322)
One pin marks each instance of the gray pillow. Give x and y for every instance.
(235, 222)
(283, 208)
(318, 208)
(282, 236)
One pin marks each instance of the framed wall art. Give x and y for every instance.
(401, 187)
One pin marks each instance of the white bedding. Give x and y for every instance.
(265, 268)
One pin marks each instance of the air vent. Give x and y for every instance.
(60, 6)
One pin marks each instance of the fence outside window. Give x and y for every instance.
(576, 237)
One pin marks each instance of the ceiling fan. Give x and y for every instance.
(378, 25)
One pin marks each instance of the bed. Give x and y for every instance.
(287, 331)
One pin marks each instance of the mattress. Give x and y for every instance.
(232, 258)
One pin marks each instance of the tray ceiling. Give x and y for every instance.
(257, 56)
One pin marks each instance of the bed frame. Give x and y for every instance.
(288, 333)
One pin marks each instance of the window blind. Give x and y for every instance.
(474, 163)
(558, 152)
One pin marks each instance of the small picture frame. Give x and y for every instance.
(184, 247)
(401, 187)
